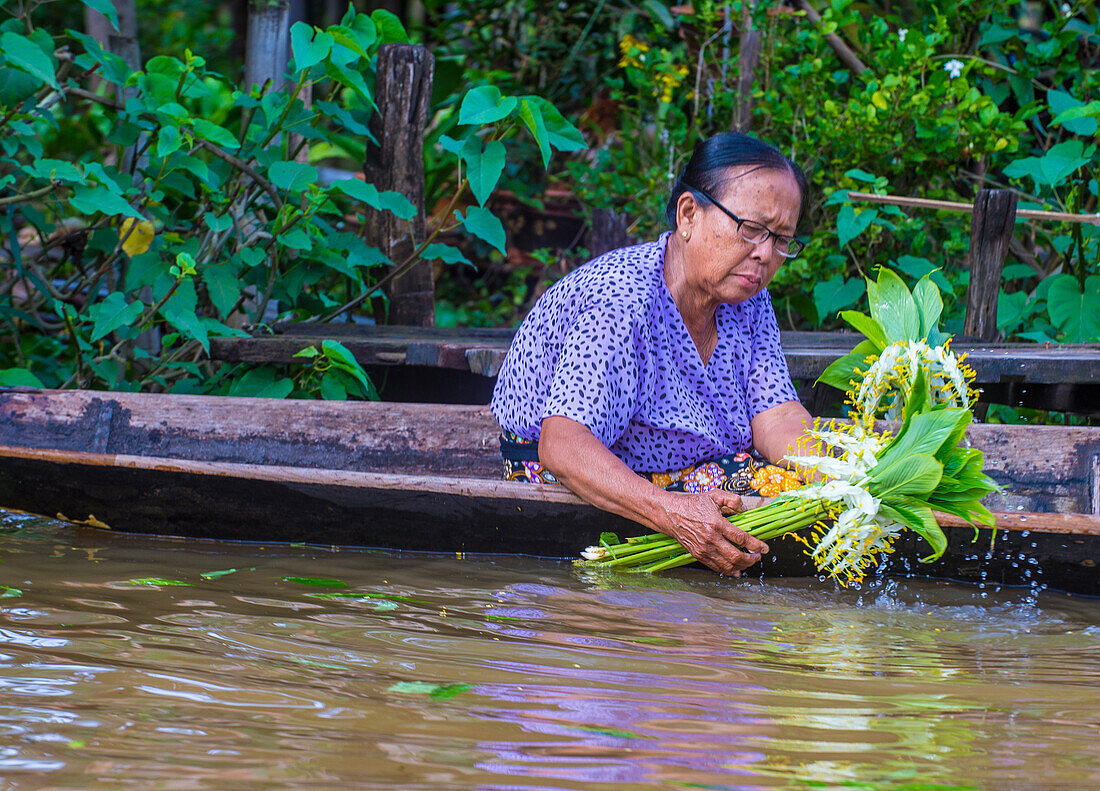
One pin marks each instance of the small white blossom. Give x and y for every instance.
(902, 34)
(953, 67)
(1066, 9)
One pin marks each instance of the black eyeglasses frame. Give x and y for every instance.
(794, 244)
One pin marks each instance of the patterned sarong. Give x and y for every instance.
(741, 473)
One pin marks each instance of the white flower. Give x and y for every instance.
(1066, 9)
(902, 34)
(953, 67)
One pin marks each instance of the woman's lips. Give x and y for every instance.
(749, 280)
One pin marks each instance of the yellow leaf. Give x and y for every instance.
(1001, 143)
(878, 100)
(139, 238)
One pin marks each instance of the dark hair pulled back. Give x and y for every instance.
(711, 161)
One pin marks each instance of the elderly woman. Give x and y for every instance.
(665, 357)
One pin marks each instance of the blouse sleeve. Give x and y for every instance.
(596, 377)
(769, 380)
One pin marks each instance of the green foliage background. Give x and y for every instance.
(244, 229)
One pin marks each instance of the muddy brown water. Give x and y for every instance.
(437, 672)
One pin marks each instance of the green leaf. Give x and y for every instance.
(22, 53)
(262, 383)
(113, 68)
(332, 389)
(340, 357)
(927, 433)
(180, 312)
(531, 115)
(97, 198)
(483, 168)
(850, 225)
(1073, 311)
(836, 293)
(929, 305)
(1070, 112)
(870, 328)
(113, 312)
(841, 373)
(389, 27)
(7, 592)
(213, 575)
(560, 133)
(309, 45)
(483, 224)
(435, 691)
(317, 582)
(917, 516)
(292, 176)
(914, 474)
(383, 200)
(105, 7)
(55, 170)
(19, 377)
(485, 105)
(444, 253)
(223, 286)
(892, 306)
(1058, 163)
(216, 134)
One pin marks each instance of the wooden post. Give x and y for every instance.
(403, 92)
(749, 55)
(608, 232)
(991, 227)
(267, 51)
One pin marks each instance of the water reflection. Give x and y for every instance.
(429, 672)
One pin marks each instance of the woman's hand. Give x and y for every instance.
(596, 475)
(697, 522)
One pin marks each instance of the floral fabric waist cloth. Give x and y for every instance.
(741, 473)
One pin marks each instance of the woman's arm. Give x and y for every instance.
(580, 461)
(781, 431)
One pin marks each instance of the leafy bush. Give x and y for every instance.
(191, 209)
(956, 97)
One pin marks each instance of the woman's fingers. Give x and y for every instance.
(728, 502)
(696, 522)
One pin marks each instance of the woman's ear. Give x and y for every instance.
(687, 209)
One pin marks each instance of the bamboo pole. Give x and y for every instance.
(943, 205)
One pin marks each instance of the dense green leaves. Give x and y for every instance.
(112, 313)
(22, 53)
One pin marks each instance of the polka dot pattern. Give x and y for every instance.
(606, 346)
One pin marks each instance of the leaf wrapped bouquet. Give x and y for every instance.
(874, 484)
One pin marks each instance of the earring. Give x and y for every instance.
(684, 234)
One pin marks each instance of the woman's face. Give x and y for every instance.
(719, 264)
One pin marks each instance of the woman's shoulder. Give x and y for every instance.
(627, 279)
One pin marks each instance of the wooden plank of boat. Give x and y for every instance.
(294, 466)
(250, 502)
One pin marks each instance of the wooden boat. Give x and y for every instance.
(426, 477)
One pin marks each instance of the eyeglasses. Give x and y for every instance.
(757, 233)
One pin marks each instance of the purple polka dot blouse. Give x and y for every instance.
(606, 346)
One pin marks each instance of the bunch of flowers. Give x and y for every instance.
(873, 484)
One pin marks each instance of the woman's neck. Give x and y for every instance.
(696, 310)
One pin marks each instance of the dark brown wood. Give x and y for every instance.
(991, 229)
(608, 232)
(403, 92)
(483, 351)
(749, 55)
